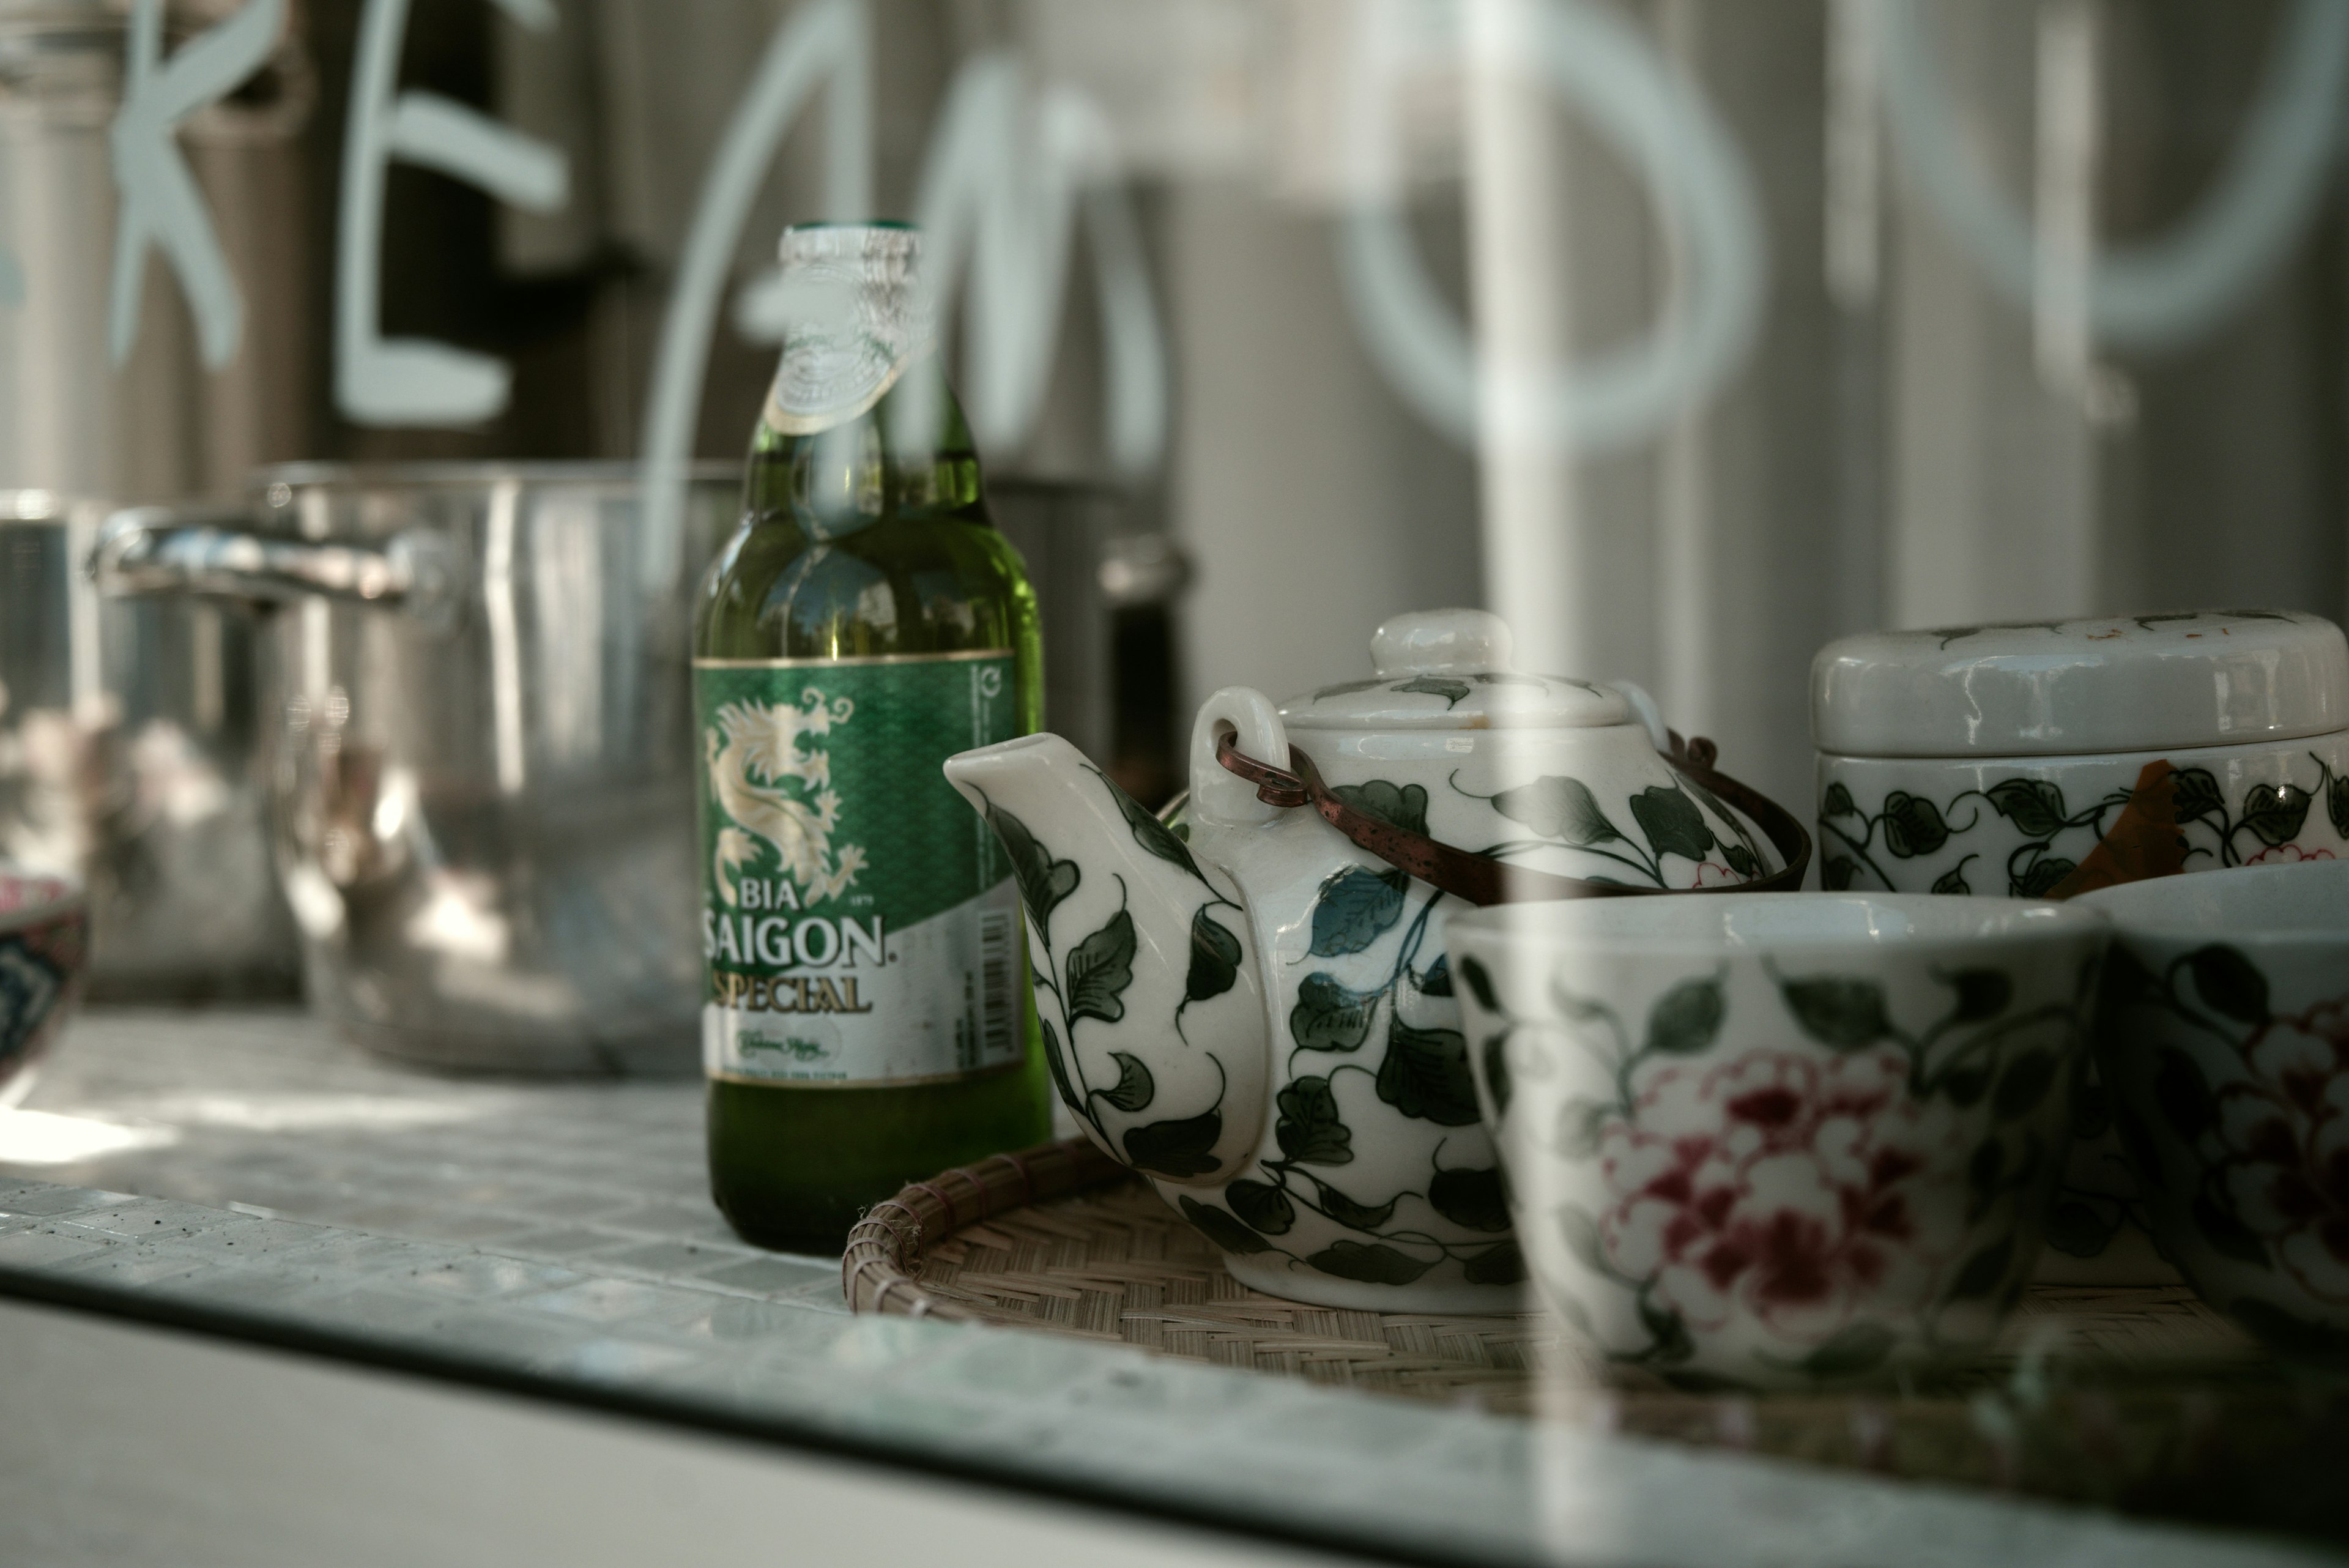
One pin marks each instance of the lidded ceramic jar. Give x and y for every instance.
(2039, 760)
(2050, 758)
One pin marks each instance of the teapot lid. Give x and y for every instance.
(2114, 683)
(1449, 669)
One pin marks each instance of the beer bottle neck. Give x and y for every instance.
(909, 455)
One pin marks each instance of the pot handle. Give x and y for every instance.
(214, 552)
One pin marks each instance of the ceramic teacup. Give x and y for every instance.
(1772, 1141)
(43, 927)
(2223, 1036)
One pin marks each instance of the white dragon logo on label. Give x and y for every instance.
(766, 785)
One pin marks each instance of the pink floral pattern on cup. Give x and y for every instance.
(1800, 1159)
(1784, 1188)
(2286, 855)
(2223, 1033)
(2286, 1132)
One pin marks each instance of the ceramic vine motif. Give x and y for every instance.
(2237, 1119)
(2022, 837)
(1778, 1181)
(1683, 818)
(1371, 1034)
(1367, 1037)
(1081, 983)
(1373, 978)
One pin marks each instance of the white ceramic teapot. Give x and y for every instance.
(1253, 1009)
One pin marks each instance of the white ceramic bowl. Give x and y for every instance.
(2223, 1038)
(43, 925)
(1778, 1140)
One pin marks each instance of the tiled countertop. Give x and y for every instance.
(245, 1171)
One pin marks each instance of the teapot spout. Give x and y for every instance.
(1141, 962)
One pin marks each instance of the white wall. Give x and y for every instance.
(1314, 502)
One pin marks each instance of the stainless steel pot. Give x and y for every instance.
(483, 773)
(128, 758)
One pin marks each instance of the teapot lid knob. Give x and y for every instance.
(1438, 642)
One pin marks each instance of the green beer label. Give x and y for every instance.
(859, 921)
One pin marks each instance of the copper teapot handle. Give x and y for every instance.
(1479, 878)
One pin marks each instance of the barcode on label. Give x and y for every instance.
(998, 994)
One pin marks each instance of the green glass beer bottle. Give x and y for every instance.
(866, 1021)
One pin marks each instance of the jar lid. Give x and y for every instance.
(1449, 669)
(2117, 684)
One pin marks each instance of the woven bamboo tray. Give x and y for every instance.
(2137, 1397)
(1061, 1238)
